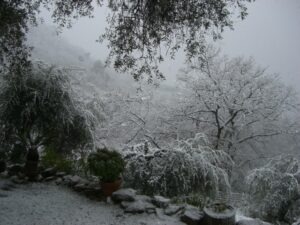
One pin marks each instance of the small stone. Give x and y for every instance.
(17, 180)
(75, 180)
(143, 198)
(61, 174)
(124, 204)
(139, 207)
(80, 187)
(50, 172)
(58, 181)
(160, 201)
(173, 209)
(127, 194)
(192, 216)
(49, 179)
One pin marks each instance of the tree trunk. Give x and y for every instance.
(31, 165)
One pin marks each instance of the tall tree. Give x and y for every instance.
(137, 31)
(235, 101)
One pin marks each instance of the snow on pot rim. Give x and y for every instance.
(230, 211)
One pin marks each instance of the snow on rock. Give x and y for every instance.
(161, 202)
(192, 216)
(173, 209)
(49, 204)
(139, 207)
(127, 194)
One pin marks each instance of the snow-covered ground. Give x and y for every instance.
(43, 204)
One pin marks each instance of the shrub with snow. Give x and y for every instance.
(273, 187)
(189, 166)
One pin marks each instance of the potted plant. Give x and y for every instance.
(219, 213)
(107, 165)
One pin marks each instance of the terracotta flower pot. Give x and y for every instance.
(109, 187)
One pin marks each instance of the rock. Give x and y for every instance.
(252, 222)
(127, 194)
(124, 204)
(14, 169)
(50, 172)
(192, 216)
(17, 180)
(49, 178)
(61, 174)
(293, 213)
(58, 181)
(160, 201)
(173, 209)
(143, 198)
(71, 180)
(80, 187)
(139, 207)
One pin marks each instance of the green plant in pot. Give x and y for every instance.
(108, 166)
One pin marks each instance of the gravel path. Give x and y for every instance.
(48, 204)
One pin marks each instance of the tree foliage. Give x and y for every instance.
(234, 101)
(138, 31)
(38, 108)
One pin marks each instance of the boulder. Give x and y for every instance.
(139, 207)
(252, 222)
(161, 202)
(192, 216)
(173, 209)
(49, 172)
(126, 194)
(293, 213)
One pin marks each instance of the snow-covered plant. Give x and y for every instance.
(189, 166)
(38, 107)
(273, 187)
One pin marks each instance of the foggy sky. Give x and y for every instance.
(270, 34)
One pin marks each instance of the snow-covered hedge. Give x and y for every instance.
(189, 166)
(273, 187)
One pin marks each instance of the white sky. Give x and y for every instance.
(270, 33)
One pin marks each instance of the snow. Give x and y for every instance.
(46, 204)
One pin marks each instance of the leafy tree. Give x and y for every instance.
(39, 108)
(234, 101)
(137, 30)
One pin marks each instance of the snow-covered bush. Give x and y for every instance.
(273, 187)
(189, 166)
